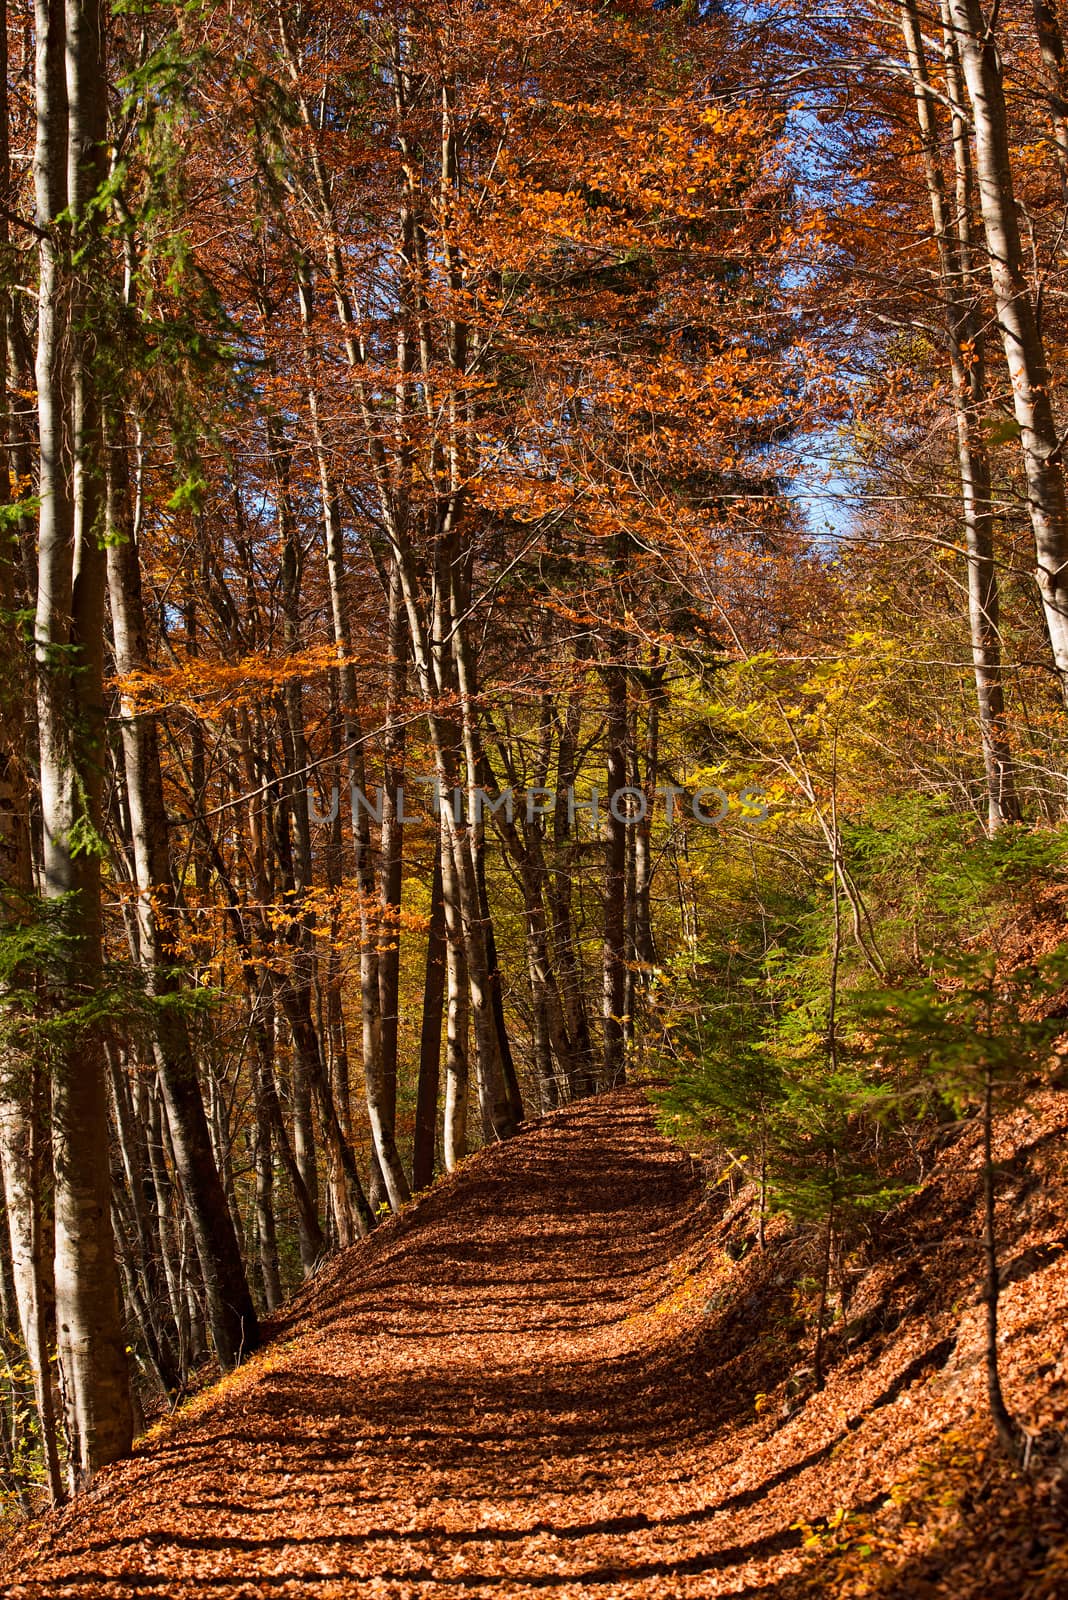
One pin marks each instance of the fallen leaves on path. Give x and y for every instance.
(549, 1378)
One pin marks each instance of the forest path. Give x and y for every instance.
(481, 1400)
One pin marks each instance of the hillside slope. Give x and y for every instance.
(551, 1377)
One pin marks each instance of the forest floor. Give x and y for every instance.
(550, 1377)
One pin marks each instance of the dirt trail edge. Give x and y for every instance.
(480, 1400)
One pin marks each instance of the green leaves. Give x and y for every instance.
(42, 1018)
(189, 495)
(975, 1016)
(1002, 430)
(85, 840)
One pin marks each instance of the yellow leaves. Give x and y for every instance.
(232, 1384)
(834, 1535)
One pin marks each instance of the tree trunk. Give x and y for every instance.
(353, 1210)
(457, 1016)
(613, 1064)
(379, 1042)
(69, 167)
(1007, 1430)
(231, 1313)
(644, 943)
(263, 1157)
(511, 1080)
(20, 1080)
(154, 1311)
(391, 871)
(526, 849)
(966, 340)
(20, 1135)
(1051, 44)
(825, 1288)
(1018, 321)
(426, 1107)
(559, 889)
(498, 1095)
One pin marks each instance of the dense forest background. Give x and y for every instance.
(533, 549)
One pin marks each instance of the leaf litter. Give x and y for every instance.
(551, 1376)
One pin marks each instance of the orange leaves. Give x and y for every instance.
(205, 686)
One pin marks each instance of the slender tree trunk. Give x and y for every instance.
(161, 1351)
(310, 1233)
(430, 659)
(379, 970)
(426, 1107)
(263, 1157)
(457, 1016)
(20, 1136)
(966, 340)
(559, 885)
(511, 1080)
(541, 1049)
(304, 1154)
(352, 1207)
(1051, 44)
(1018, 321)
(630, 885)
(154, 1310)
(762, 1197)
(613, 1065)
(229, 1303)
(498, 1093)
(644, 943)
(9, 1310)
(391, 871)
(525, 847)
(825, 1288)
(304, 1176)
(159, 1194)
(1007, 1430)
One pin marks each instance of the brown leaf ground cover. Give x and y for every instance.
(550, 1377)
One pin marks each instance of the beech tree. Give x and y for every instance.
(1018, 319)
(69, 171)
(409, 498)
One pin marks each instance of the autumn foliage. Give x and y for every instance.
(534, 553)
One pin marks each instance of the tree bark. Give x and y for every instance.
(21, 1128)
(644, 942)
(559, 890)
(263, 1158)
(1007, 1430)
(391, 869)
(454, 1137)
(1018, 321)
(152, 1303)
(20, 1136)
(1051, 45)
(378, 970)
(966, 340)
(235, 1331)
(613, 1064)
(69, 168)
(426, 1106)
